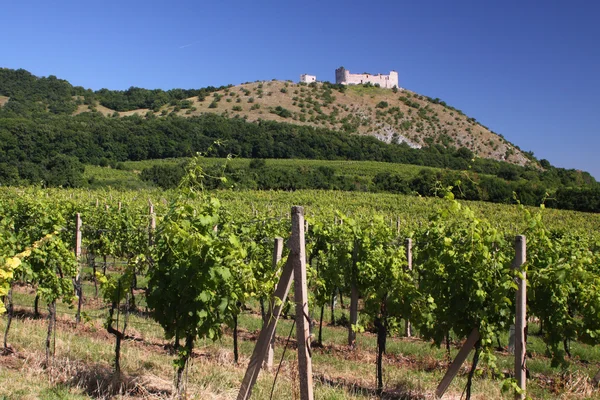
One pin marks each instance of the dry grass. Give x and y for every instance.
(3, 100)
(257, 99)
(82, 367)
(99, 108)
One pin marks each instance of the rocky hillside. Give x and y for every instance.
(390, 115)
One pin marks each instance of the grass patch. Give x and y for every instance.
(362, 90)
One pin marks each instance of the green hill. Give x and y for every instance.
(49, 129)
(389, 115)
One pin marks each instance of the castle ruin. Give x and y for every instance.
(308, 78)
(343, 76)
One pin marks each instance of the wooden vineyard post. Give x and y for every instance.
(353, 316)
(296, 265)
(520, 327)
(408, 245)
(456, 364)
(152, 225)
(277, 252)
(298, 255)
(78, 284)
(353, 301)
(521, 317)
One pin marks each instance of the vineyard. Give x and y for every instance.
(160, 294)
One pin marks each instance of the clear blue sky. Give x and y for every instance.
(526, 69)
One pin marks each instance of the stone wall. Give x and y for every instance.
(344, 77)
(308, 78)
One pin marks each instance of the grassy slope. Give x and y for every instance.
(357, 106)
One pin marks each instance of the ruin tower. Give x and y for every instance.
(341, 75)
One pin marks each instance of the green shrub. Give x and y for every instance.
(282, 112)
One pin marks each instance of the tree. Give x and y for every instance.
(64, 171)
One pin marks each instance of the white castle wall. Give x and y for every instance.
(308, 78)
(344, 77)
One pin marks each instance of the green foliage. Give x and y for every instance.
(64, 171)
(199, 276)
(30, 94)
(165, 176)
(410, 103)
(466, 280)
(54, 267)
(9, 262)
(282, 112)
(564, 278)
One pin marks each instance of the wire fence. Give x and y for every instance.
(96, 314)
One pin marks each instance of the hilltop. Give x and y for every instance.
(392, 116)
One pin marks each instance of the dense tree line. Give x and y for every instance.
(430, 183)
(30, 95)
(91, 137)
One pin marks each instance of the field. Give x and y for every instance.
(127, 177)
(82, 366)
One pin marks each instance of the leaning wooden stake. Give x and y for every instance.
(520, 318)
(264, 338)
(457, 363)
(296, 264)
(298, 255)
(277, 252)
(409, 261)
(78, 283)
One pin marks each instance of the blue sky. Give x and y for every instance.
(526, 69)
